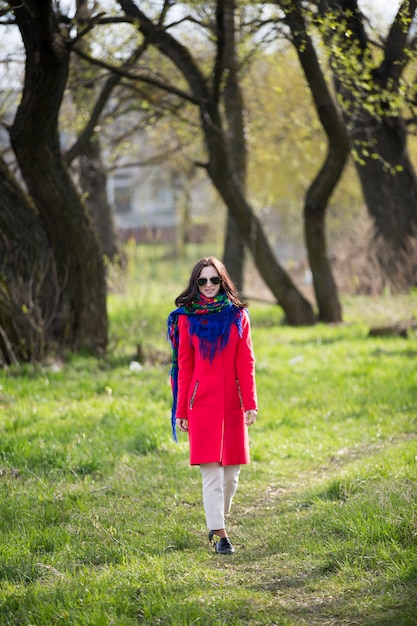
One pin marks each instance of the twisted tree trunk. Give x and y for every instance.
(35, 140)
(321, 189)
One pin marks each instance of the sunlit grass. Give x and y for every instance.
(101, 515)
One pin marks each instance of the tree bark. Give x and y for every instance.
(35, 140)
(234, 247)
(389, 185)
(93, 183)
(30, 300)
(297, 309)
(92, 178)
(234, 251)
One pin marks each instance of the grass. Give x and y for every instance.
(101, 515)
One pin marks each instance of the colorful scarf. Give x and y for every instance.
(210, 320)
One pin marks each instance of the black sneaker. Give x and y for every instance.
(224, 546)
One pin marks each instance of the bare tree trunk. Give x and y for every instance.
(234, 248)
(234, 251)
(182, 200)
(93, 179)
(93, 183)
(319, 192)
(35, 140)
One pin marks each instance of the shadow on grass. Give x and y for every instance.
(345, 556)
(390, 606)
(314, 597)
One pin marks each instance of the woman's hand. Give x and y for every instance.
(250, 417)
(182, 424)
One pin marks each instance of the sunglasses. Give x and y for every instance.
(215, 280)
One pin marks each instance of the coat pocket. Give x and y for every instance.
(239, 393)
(194, 394)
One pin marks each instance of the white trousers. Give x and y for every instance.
(219, 486)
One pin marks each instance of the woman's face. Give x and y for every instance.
(209, 289)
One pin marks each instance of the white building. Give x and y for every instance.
(144, 202)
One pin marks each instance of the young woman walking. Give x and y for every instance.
(213, 382)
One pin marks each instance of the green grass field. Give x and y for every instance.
(101, 520)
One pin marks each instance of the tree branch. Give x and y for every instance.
(123, 73)
(219, 68)
(172, 49)
(396, 49)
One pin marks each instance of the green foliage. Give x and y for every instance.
(101, 515)
(287, 147)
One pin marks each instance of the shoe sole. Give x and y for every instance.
(228, 552)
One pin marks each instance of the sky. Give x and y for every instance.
(379, 11)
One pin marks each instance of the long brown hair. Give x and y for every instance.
(191, 292)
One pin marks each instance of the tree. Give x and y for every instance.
(320, 190)
(234, 248)
(219, 166)
(72, 241)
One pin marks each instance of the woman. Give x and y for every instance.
(213, 381)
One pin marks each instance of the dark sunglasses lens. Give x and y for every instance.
(215, 280)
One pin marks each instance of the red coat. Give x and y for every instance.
(214, 395)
